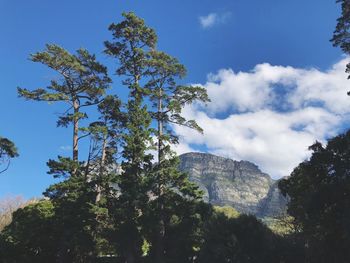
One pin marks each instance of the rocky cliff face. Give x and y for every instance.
(239, 184)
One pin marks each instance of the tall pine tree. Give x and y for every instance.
(132, 40)
(82, 82)
(168, 184)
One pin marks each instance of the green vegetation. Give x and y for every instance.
(228, 211)
(282, 225)
(83, 83)
(154, 210)
(319, 200)
(8, 151)
(8, 205)
(150, 211)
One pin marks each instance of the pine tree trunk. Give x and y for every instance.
(159, 250)
(130, 253)
(160, 126)
(75, 130)
(102, 168)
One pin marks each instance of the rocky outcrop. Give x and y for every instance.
(240, 184)
(273, 204)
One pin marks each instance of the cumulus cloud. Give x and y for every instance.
(269, 115)
(213, 19)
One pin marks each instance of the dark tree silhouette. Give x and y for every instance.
(341, 35)
(319, 191)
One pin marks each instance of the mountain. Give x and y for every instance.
(240, 184)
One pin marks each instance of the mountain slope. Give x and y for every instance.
(238, 184)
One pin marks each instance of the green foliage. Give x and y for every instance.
(228, 211)
(31, 235)
(341, 33)
(242, 239)
(106, 137)
(64, 167)
(319, 200)
(283, 225)
(8, 150)
(184, 231)
(62, 229)
(10, 204)
(82, 81)
(75, 219)
(227, 240)
(150, 195)
(132, 40)
(83, 78)
(164, 182)
(149, 212)
(167, 97)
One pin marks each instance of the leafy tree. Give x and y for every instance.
(79, 213)
(184, 225)
(155, 214)
(319, 200)
(74, 219)
(341, 35)
(81, 83)
(77, 222)
(8, 150)
(238, 239)
(8, 205)
(132, 39)
(134, 46)
(228, 211)
(31, 236)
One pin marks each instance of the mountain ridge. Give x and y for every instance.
(240, 184)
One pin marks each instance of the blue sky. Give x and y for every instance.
(255, 47)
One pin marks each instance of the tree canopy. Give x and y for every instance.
(319, 199)
(341, 35)
(8, 150)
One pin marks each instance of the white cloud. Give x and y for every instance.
(65, 148)
(213, 19)
(262, 87)
(271, 114)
